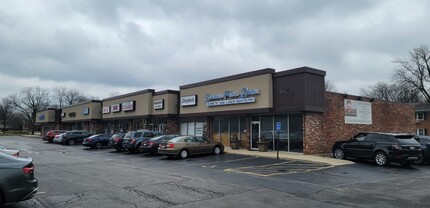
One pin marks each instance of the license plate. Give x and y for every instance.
(412, 148)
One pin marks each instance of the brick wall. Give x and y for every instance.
(321, 130)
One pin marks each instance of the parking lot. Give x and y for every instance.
(74, 176)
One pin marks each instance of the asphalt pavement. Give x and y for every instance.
(74, 176)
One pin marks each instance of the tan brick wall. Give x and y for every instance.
(321, 130)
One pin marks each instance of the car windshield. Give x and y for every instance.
(129, 134)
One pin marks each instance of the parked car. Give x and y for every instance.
(425, 149)
(17, 181)
(151, 146)
(9, 151)
(73, 137)
(185, 146)
(116, 141)
(384, 148)
(97, 141)
(133, 139)
(58, 138)
(51, 134)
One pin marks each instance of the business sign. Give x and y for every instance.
(63, 114)
(358, 112)
(106, 110)
(159, 104)
(85, 111)
(72, 114)
(278, 126)
(41, 117)
(229, 97)
(128, 106)
(115, 108)
(231, 102)
(190, 100)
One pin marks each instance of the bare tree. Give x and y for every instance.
(329, 86)
(6, 112)
(59, 96)
(392, 92)
(29, 102)
(414, 70)
(74, 96)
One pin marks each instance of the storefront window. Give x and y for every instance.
(216, 130)
(234, 128)
(283, 133)
(244, 126)
(224, 130)
(267, 129)
(296, 132)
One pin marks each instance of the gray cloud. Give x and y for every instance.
(131, 45)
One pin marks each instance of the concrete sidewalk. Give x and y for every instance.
(290, 156)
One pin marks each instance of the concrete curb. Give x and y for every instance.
(291, 156)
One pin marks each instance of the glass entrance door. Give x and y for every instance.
(255, 134)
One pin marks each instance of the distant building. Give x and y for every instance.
(422, 123)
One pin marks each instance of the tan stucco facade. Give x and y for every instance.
(170, 104)
(143, 106)
(263, 83)
(77, 112)
(47, 116)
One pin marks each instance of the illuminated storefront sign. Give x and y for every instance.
(159, 104)
(190, 100)
(106, 110)
(85, 111)
(128, 106)
(231, 97)
(115, 108)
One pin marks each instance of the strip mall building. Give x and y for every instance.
(291, 105)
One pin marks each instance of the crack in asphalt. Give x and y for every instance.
(198, 190)
(149, 196)
(69, 201)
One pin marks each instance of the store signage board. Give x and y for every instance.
(190, 100)
(41, 117)
(159, 104)
(63, 114)
(128, 106)
(86, 111)
(358, 112)
(106, 110)
(231, 102)
(115, 108)
(229, 97)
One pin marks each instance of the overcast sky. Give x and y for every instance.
(124, 46)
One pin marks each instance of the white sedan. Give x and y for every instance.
(9, 151)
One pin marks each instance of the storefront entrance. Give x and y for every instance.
(255, 134)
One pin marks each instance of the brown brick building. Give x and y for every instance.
(323, 129)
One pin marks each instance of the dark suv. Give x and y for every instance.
(381, 147)
(73, 137)
(133, 139)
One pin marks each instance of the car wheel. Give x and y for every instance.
(217, 150)
(339, 153)
(98, 145)
(381, 159)
(183, 154)
(420, 160)
(71, 142)
(119, 149)
(138, 150)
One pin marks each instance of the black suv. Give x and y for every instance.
(75, 136)
(133, 139)
(382, 147)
